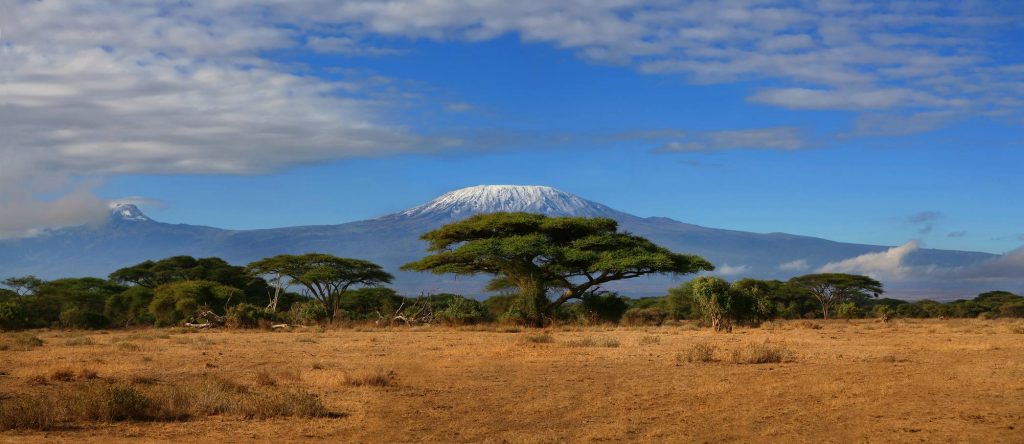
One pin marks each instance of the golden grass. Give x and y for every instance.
(845, 381)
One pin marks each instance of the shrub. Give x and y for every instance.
(377, 378)
(64, 375)
(175, 302)
(246, 316)
(1012, 310)
(644, 316)
(26, 342)
(77, 317)
(308, 313)
(79, 341)
(650, 340)
(700, 353)
(763, 353)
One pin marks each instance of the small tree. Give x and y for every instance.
(831, 289)
(713, 298)
(323, 276)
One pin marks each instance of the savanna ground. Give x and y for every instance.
(840, 381)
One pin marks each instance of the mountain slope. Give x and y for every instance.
(131, 237)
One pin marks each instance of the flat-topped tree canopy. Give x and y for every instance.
(536, 253)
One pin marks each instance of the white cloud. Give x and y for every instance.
(729, 270)
(881, 265)
(794, 265)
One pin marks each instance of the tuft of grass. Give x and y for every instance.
(79, 341)
(650, 340)
(698, 353)
(38, 380)
(129, 346)
(541, 338)
(87, 374)
(762, 353)
(143, 380)
(26, 342)
(376, 378)
(306, 339)
(1018, 330)
(266, 379)
(894, 359)
(591, 342)
(63, 375)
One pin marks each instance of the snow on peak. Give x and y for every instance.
(466, 202)
(127, 211)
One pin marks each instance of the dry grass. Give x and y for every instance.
(541, 338)
(850, 381)
(593, 342)
(698, 353)
(102, 402)
(762, 353)
(376, 378)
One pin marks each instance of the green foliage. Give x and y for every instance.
(130, 307)
(1013, 309)
(308, 312)
(323, 276)
(175, 302)
(22, 286)
(831, 289)
(713, 299)
(247, 316)
(14, 315)
(849, 310)
(365, 303)
(679, 302)
(535, 253)
(458, 310)
(652, 316)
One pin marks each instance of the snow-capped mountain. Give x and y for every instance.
(127, 212)
(392, 240)
(466, 202)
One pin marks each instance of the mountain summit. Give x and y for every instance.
(465, 202)
(127, 212)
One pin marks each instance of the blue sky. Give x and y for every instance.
(874, 123)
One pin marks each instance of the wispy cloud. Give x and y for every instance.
(960, 233)
(925, 220)
(794, 265)
(779, 138)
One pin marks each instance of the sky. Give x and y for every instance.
(890, 123)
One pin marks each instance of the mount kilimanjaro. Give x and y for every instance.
(130, 237)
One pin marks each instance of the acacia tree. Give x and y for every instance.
(323, 276)
(831, 289)
(535, 254)
(713, 298)
(24, 285)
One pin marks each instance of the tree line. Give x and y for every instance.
(544, 269)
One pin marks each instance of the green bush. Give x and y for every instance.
(644, 316)
(175, 302)
(246, 316)
(1012, 310)
(77, 317)
(308, 313)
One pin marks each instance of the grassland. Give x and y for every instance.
(913, 380)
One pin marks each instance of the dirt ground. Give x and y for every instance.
(859, 381)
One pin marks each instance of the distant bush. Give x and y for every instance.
(1012, 310)
(77, 317)
(175, 302)
(644, 316)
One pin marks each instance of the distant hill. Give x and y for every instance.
(130, 237)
